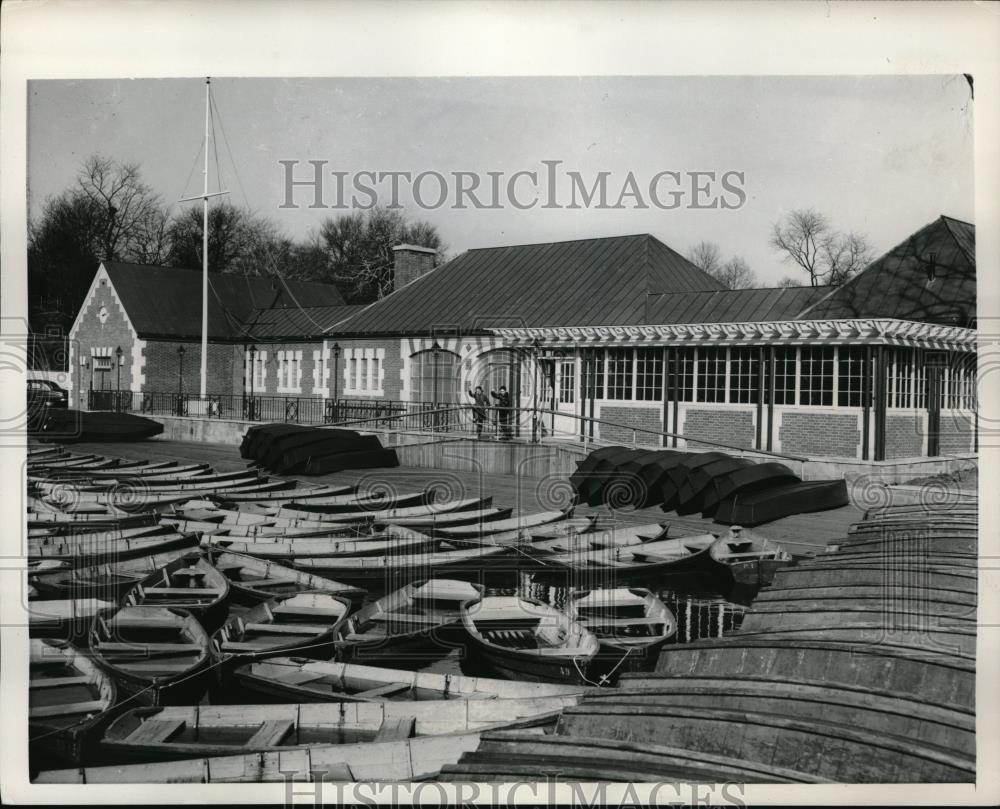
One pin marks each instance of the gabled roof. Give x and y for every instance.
(293, 323)
(898, 285)
(165, 302)
(733, 305)
(572, 283)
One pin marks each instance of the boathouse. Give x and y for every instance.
(615, 338)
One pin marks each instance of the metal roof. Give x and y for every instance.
(571, 283)
(309, 322)
(166, 301)
(733, 305)
(899, 284)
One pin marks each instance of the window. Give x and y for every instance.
(255, 376)
(289, 371)
(817, 376)
(900, 379)
(102, 363)
(685, 375)
(620, 362)
(711, 385)
(744, 383)
(649, 374)
(363, 371)
(593, 375)
(851, 374)
(567, 381)
(435, 380)
(363, 374)
(784, 375)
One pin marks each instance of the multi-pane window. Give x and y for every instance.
(958, 384)
(850, 375)
(567, 381)
(784, 375)
(592, 381)
(816, 376)
(620, 373)
(919, 385)
(685, 375)
(744, 383)
(900, 379)
(711, 386)
(434, 377)
(649, 374)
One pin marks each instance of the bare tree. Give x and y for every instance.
(359, 250)
(827, 256)
(239, 241)
(706, 256)
(788, 281)
(736, 274)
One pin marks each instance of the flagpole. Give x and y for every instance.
(204, 257)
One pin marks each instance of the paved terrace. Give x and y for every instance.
(801, 534)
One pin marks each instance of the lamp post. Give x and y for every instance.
(252, 408)
(436, 353)
(336, 380)
(180, 380)
(118, 386)
(535, 349)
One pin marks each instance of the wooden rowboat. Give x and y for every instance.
(395, 515)
(299, 493)
(526, 639)
(68, 700)
(341, 504)
(158, 655)
(323, 547)
(188, 582)
(253, 580)
(511, 528)
(297, 679)
(65, 618)
(411, 626)
(307, 623)
(631, 624)
(93, 553)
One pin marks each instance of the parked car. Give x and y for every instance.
(44, 393)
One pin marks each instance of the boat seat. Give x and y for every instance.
(144, 648)
(270, 733)
(395, 730)
(56, 682)
(288, 629)
(168, 592)
(327, 612)
(154, 731)
(382, 691)
(622, 621)
(246, 646)
(43, 711)
(269, 582)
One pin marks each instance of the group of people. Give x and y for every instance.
(480, 408)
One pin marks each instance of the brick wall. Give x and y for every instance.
(646, 418)
(162, 367)
(957, 432)
(392, 365)
(729, 426)
(904, 435)
(824, 434)
(92, 332)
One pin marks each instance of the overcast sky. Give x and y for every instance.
(882, 155)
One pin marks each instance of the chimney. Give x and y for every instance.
(410, 261)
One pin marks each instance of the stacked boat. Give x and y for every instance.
(731, 490)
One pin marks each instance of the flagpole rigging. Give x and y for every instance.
(204, 254)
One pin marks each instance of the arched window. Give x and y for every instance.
(434, 377)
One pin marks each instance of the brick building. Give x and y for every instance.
(607, 335)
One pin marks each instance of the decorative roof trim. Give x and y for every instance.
(882, 331)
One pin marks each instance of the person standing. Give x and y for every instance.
(503, 412)
(479, 409)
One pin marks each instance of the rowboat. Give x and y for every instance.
(68, 700)
(77, 521)
(65, 618)
(137, 469)
(170, 733)
(594, 489)
(631, 624)
(782, 501)
(336, 453)
(84, 554)
(677, 476)
(247, 515)
(604, 538)
(205, 481)
(469, 507)
(623, 487)
(338, 462)
(299, 493)
(297, 679)
(319, 547)
(96, 535)
(403, 760)
(526, 639)
(158, 655)
(134, 496)
(391, 572)
(514, 527)
(744, 481)
(188, 582)
(253, 580)
(98, 425)
(110, 581)
(344, 504)
(752, 560)
(692, 492)
(439, 521)
(412, 626)
(306, 623)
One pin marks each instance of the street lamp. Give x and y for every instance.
(252, 410)
(336, 379)
(436, 349)
(118, 387)
(180, 380)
